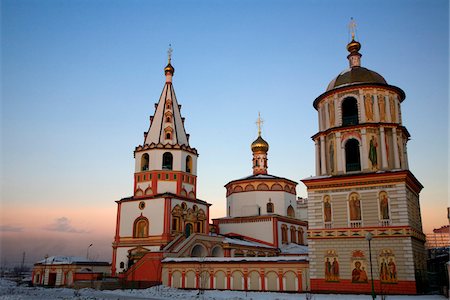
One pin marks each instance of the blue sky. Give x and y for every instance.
(80, 79)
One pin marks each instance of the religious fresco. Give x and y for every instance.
(359, 267)
(331, 152)
(368, 106)
(373, 157)
(387, 267)
(331, 112)
(382, 108)
(326, 208)
(392, 109)
(331, 266)
(354, 205)
(384, 206)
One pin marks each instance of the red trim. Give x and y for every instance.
(228, 280)
(263, 280)
(280, 281)
(346, 286)
(169, 280)
(275, 231)
(211, 280)
(232, 234)
(299, 277)
(183, 277)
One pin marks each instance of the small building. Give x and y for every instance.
(58, 271)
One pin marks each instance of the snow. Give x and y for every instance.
(9, 290)
(292, 248)
(62, 260)
(244, 243)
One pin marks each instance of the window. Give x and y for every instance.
(284, 238)
(188, 164)
(352, 157)
(300, 236)
(269, 207)
(290, 212)
(175, 223)
(349, 111)
(140, 227)
(167, 161)
(168, 136)
(188, 230)
(168, 119)
(293, 235)
(122, 265)
(144, 162)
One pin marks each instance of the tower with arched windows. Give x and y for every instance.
(363, 185)
(164, 204)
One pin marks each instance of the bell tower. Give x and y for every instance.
(362, 186)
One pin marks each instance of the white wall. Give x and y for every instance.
(246, 203)
(259, 230)
(153, 211)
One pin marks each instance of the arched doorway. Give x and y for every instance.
(188, 230)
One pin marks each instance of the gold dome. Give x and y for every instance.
(260, 145)
(169, 69)
(353, 46)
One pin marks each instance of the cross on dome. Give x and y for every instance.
(259, 123)
(352, 28)
(169, 53)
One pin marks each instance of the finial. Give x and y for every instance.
(169, 52)
(352, 28)
(259, 122)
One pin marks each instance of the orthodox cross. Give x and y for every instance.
(259, 122)
(169, 52)
(352, 28)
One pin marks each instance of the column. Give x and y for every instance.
(280, 280)
(228, 279)
(327, 116)
(197, 279)
(339, 153)
(337, 120)
(395, 146)
(169, 281)
(263, 282)
(397, 111)
(183, 279)
(384, 164)
(323, 165)
(388, 109)
(211, 280)
(316, 143)
(361, 106)
(299, 279)
(376, 109)
(365, 156)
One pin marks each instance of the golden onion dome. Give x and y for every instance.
(169, 69)
(353, 46)
(260, 145)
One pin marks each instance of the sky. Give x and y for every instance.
(80, 78)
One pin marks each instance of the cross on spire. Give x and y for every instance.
(259, 122)
(169, 52)
(352, 28)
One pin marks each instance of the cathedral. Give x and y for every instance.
(362, 230)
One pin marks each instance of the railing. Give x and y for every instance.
(328, 225)
(355, 224)
(350, 120)
(385, 223)
(349, 167)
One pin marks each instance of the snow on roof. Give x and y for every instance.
(236, 259)
(294, 249)
(228, 240)
(66, 260)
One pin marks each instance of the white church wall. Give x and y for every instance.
(152, 211)
(167, 186)
(247, 203)
(260, 230)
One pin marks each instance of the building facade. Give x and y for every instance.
(363, 185)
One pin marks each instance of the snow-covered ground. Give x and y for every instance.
(9, 290)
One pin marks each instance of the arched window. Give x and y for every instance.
(290, 212)
(145, 162)
(349, 111)
(188, 164)
(167, 162)
(293, 235)
(168, 136)
(269, 207)
(198, 251)
(352, 157)
(284, 236)
(300, 236)
(140, 227)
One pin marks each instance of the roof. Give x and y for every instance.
(356, 75)
(291, 248)
(69, 260)
(237, 259)
(241, 242)
(261, 177)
